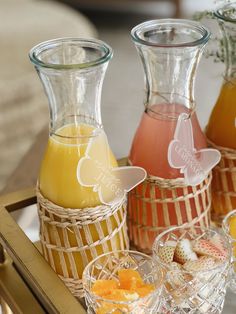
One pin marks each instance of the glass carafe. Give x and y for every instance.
(170, 50)
(221, 128)
(74, 228)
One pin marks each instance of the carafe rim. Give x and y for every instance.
(106, 50)
(152, 25)
(220, 13)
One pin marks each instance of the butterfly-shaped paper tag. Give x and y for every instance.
(95, 170)
(194, 164)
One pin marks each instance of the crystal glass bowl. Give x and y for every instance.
(197, 285)
(107, 266)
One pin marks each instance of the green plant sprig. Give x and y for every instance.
(219, 54)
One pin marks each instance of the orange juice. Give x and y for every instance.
(221, 127)
(221, 130)
(58, 183)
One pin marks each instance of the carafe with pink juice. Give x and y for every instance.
(170, 50)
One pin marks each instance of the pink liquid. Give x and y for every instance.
(152, 138)
(147, 216)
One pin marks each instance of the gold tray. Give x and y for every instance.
(27, 283)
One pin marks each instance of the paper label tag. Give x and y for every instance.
(195, 165)
(95, 170)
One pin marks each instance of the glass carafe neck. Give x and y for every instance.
(170, 50)
(72, 72)
(226, 16)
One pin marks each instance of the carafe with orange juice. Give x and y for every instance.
(170, 50)
(75, 226)
(221, 128)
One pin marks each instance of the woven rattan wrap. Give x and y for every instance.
(223, 183)
(157, 204)
(71, 238)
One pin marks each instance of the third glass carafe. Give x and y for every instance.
(170, 50)
(221, 128)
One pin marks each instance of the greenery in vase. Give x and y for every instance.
(219, 54)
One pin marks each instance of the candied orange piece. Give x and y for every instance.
(117, 295)
(104, 287)
(130, 287)
(107, 308)
(145, 290)
(130, 279)
(122, 295)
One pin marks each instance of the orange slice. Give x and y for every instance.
(107, 308)
(104, 287)
(117, 295)
(130, 279)
(122, 295)
(144, 290)
(130, 287)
